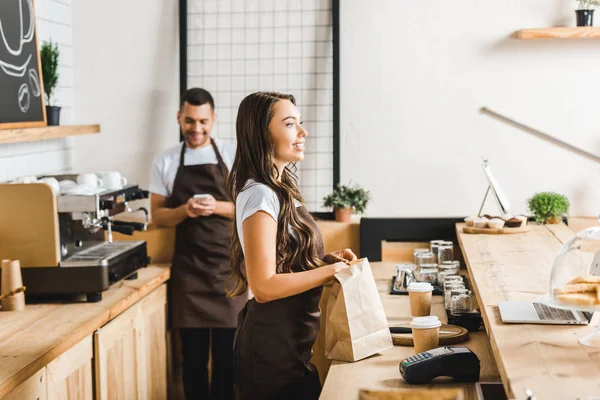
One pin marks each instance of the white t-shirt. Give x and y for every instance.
(253, 198)
(165, 165)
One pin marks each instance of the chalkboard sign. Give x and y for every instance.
(21, 88)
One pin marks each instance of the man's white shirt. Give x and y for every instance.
(165, 165)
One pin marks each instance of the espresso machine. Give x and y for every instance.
(64, 241)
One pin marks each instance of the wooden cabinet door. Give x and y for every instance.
(119, 349)
(153, 310)
(33, 388)
(131, 353)
(69, 377)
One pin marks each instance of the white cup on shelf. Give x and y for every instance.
(89, 179)
(53, 183)
(113, 180)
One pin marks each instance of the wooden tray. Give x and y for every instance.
(410, 394)
(491, 231)
(458, 335)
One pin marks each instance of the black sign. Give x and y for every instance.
(21, 90)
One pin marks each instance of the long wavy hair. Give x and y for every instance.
(254, 160)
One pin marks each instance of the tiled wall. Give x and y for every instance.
(236, 47)
(53, 19)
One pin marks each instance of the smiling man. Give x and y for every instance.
(188, 186)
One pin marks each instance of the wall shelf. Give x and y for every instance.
(558, 33)
(45, 133)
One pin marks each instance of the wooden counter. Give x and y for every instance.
(33, 338)
(544, 358)
(380, 372)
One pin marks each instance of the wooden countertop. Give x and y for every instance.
(381, 372)
(544, 358)
(32, 338)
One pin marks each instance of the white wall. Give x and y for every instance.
(127, 80)
(53, 21)
(413, 78)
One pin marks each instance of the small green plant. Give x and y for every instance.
(587, 4)
(344, 196)
(49, 57)
(548, 205)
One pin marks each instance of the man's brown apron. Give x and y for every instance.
(201, 263)
(274, 340)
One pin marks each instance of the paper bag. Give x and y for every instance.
(356, 326)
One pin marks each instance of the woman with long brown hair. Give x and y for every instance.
(277, 252)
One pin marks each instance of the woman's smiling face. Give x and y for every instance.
(287, 134)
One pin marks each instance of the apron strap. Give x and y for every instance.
(222, 167)
(182, 154)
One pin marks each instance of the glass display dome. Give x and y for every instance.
(575, 279)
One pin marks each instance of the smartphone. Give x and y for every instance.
(201, 197)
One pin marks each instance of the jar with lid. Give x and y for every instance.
(448, 294)
(448, 268)
(418, 251)
(445, 252)
(449, 280)
(427, 273)
(461, 303)
(433, 247)
(424, 258)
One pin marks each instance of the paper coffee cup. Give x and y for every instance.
(12, 280)
(419, 294)
(426, 333)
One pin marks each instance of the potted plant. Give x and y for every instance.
(49, 58)
(346, 200)
(585, 12)
(548, 207)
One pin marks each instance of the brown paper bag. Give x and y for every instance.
(356, 326)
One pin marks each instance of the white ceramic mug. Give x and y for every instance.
(113, 180)
(89, 179)
(53, 183)
(25, 179)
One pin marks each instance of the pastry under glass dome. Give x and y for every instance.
(575, 278)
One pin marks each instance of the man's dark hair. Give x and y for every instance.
(196, 97)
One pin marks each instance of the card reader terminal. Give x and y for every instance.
(457, 362)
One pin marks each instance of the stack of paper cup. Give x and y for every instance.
(419, 294)
(11, 280)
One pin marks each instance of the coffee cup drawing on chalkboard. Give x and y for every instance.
(21, 102)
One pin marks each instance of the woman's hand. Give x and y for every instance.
(335, 268)
(345, 255)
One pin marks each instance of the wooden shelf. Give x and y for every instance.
(559, 33)
(45, 133)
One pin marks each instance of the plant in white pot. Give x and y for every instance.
(346, 200)
(585, 12)
(49, 58)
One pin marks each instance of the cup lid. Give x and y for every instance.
(420, 287)
(425, 322)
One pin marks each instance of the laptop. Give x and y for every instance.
(526, 312)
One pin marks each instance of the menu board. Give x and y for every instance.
(21, 88)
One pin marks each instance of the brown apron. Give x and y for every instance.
(201, 263)
(274, 340)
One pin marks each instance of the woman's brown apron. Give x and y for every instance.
(274, 340)
(201, 261)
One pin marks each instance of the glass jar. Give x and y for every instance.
(418, 251)
(424, 258)
(453, 279)
(451, 293)
(445, 252)
(461, 303)
(427, 273)
(433, 247)
(447, 268)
